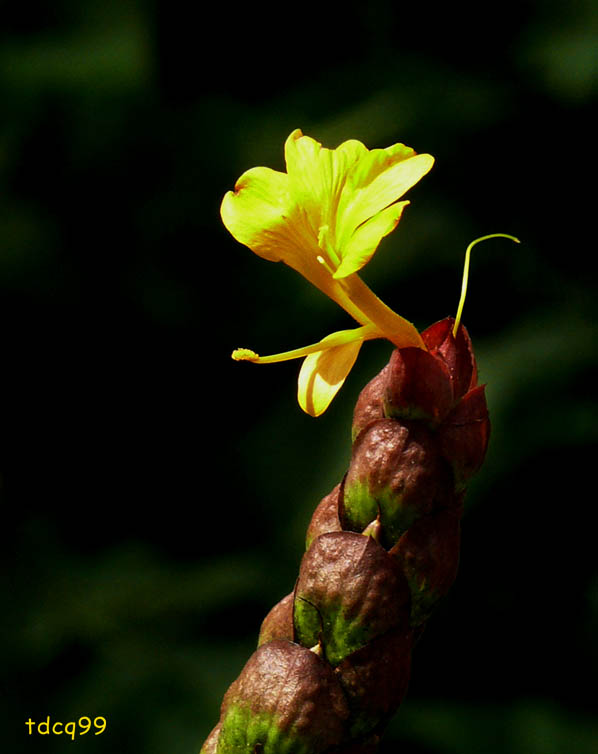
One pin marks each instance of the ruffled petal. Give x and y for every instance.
(376, 161)
(322, 375)
(376, 184)
(317, 176)
(364, 242)
(256, 212)
(262, 214)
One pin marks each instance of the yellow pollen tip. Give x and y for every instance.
(244, 354)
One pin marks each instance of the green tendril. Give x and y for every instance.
(466, 274)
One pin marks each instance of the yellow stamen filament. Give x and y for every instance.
(325, 245)
(466, 274)
(340, 338)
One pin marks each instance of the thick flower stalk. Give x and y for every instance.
(382, 548)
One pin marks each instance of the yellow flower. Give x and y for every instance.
(325, 218)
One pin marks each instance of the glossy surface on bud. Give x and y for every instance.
(325, 518)
(278, 624)
(211, 744)
(286, 701)
(418, 386)
(465, 434)
(396, 472)
(455, 352)
(429, 556)
(349, 591)
(370, 403)
(375, 680)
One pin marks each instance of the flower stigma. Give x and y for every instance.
(465, 278)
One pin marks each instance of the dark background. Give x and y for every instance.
(155, 494)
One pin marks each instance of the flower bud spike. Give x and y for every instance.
(466, 274)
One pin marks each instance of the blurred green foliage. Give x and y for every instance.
(155, 493)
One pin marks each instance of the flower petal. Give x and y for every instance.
(317, 176)
(255, 212)
(364, 242)
(368, 191)
(322, 375)
(376, 161)
(262, 214)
